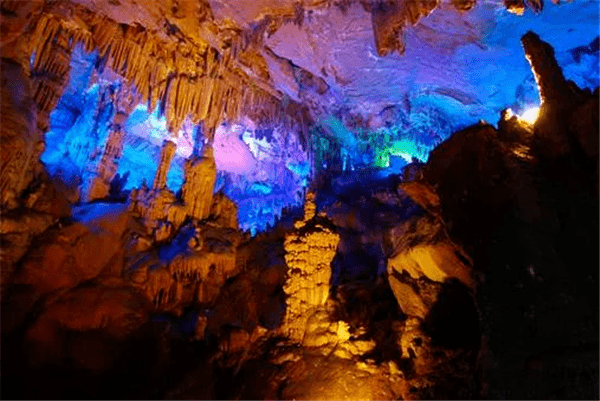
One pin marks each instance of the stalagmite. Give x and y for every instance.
(549, 76)
(200, 177)
(309, 252)
(108, 166)
(166, 156)
(555, 136)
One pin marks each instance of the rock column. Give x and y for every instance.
(309, 252)
(108, 166)
(197, 190)
(166, 156)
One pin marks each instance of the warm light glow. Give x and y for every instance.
(530, 115)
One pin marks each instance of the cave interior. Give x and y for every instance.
(299, 199)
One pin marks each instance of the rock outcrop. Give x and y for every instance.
(535, 195)
(562, 104)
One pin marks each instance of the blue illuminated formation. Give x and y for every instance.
(78, 125)
(79, 128)
(146, 132)
(265, 169)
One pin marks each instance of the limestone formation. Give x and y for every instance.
(152, 205)
(488, 244)
(548, 74)
(439, 262)
(197, 190)
(224, 210)
(50, 70)
(309, 252)
(166, 156)
(390, 17)
(107, 168)
(554, 136)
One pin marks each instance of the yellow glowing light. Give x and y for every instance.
(530, 115)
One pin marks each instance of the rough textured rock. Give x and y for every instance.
(50, 69)
(512, 129)
(439, 262)
(76, 253)
(110, 306)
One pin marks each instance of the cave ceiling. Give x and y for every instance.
(330, 56)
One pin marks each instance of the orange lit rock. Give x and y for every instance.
(224, 210)
(197, 190)
(409, 299)
(438, 262)
(21, 143)
(512, 129)
(309, 252)
(115, 309)
(200, 330)
(389, 18)
(166, 156)
(151, 205)
(73, 254)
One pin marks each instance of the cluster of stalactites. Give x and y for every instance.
(50, 69)
(190, 80)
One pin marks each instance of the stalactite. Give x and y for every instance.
(196, 81)
(51, 67)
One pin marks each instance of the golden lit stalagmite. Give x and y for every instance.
(153, 204)
(309, 252)
(200, 177)
(166, 156)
